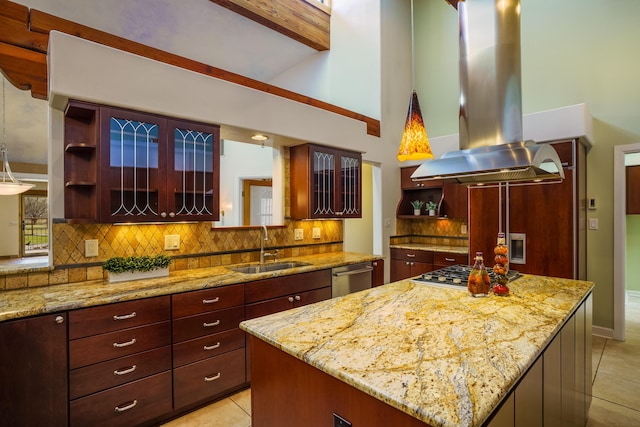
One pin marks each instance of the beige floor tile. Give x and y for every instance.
(607, 414)
(243, 400)
(224, 413)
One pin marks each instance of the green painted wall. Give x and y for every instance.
(573, 51)
(632, 273)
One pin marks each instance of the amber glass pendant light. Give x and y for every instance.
(415, 143)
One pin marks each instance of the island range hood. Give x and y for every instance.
(492, 148)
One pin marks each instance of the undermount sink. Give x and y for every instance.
(266, 267)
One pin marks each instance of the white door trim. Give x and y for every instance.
(619, 236)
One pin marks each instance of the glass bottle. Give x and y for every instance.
(479, 283)
(501, 267)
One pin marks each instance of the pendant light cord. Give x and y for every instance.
(413, 66)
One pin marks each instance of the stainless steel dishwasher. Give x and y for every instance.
(350, 278)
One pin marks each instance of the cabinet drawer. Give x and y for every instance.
(207, 378)
(186, 328)
(112, 317)
(190, 303)
(412, 255)
(448, 258)
(208, 346)
(126, 405)
(288, 302)
(99, 348)
(101, 376)
(281, 286)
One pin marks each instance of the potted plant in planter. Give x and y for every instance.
(136, 267)
(431, 207)
(417, 206)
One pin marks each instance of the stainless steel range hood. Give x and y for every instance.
(491, 143)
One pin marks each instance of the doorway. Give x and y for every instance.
(257, 202)
(620, 237)
(34, 235)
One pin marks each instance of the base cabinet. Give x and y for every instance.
(407, 263)
(33, 371)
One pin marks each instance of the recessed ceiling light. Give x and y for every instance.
(259, 137)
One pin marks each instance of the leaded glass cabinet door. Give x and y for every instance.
(194, 152)
(324, 184)
(134, 185)
(350, 185)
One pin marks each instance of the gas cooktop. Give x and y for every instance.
(456, 276)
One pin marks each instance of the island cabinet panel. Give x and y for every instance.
(377, 275)
(325, 182)
(552, 378)
(633, 190)
(297, 403)
(505, 415)
(120, 363)
(528, 398)
(208, 346)
(407, 263)
(33, 371)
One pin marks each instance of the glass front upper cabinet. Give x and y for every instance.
(158, 169)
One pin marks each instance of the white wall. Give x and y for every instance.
(10, 226)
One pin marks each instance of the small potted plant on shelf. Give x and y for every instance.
(136, 267)
(431, 207)
(417, 206)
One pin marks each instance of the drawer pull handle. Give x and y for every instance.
(124, 344)
(125, 371)
(411, 255)
(213, 378)
(211, 301)
(209, 325)
(126, 407)
(125, 316)
(211, 347)
(450, 259)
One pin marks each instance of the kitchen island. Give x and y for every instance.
(409, 354)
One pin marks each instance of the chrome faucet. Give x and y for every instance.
(264, 238)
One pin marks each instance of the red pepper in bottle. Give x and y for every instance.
(479, 283)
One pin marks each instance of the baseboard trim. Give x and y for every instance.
(602, 332)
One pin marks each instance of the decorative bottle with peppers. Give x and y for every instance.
(479, 283)
(501, 268)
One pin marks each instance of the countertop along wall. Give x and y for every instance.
(575, 51)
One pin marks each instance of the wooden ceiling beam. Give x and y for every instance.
(296, 19)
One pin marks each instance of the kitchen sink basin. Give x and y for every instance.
(266, 267)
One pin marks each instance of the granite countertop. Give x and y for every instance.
(55, 298)
(432, 247)
(438, 354)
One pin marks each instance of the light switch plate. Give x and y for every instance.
(171, 242)
(298, 234)
(593, 223)
(91, 248)
(316, 232)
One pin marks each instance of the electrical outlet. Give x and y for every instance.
(316, 232)
(463, 229)
(387, 222)
(338, 421)
(91, 248)
(171, 242)
(298, 234)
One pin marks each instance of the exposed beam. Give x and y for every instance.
(296, 19)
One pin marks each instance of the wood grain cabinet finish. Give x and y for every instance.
(407, 263)
(446, 259)
(377, 275)
(633, 190)
(325, 182)
(33, 371)
(208, 346)
(450, 196)
(120, 363)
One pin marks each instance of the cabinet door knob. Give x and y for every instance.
(172, 214)
(297, 297)
(59, 319)
(290, 299)
(163, 214)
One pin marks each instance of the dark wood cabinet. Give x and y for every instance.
(325, 182)
(447, 259)
(120, 363)
(208, 346)
(450, 196)
(33, 371)
(129, 166)
(633, 190)
(551, 217)
(407, 263)
(377, 275)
